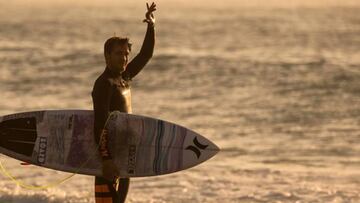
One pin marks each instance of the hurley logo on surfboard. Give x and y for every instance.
(198, 146)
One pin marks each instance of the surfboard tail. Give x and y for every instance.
(18, 135)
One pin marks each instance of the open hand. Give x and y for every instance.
(149, 16)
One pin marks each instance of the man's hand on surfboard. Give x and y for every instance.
(110, 170)
(149, 16)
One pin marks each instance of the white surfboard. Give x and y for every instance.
(63, 140)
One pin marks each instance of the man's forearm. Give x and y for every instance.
(101, 101)
(145, 54)
(147, 48)
(103, 146)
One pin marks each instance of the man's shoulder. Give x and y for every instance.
(102, 82)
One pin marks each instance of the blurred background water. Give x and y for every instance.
(275, 84)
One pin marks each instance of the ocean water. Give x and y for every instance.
(275, 85)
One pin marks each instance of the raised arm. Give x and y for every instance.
(147, 49)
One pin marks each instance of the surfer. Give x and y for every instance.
(111, 92)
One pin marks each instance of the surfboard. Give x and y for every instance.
(140, 146)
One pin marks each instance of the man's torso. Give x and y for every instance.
(120, 91)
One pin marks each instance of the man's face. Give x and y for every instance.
(119, 58)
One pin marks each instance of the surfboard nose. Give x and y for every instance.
(198, 149)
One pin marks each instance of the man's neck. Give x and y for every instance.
(112, 72)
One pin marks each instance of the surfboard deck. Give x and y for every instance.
(140, 146)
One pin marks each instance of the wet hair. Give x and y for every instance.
(113, 41)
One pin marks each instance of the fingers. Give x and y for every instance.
(149, 16)
(152, 7)
(116, 183)
(115, 179)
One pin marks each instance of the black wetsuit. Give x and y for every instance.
(111, 92)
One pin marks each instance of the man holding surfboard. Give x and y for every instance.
(111, 92)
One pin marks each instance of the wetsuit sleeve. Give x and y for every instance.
(145, 54)
(101, 101)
